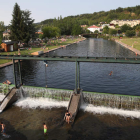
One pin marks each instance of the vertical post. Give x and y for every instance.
(14, 73)
(78, 75)
(20, 72)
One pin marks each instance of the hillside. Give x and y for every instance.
(102, 16)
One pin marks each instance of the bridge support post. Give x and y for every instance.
(14, 73)
(20, 72)
(78, 75)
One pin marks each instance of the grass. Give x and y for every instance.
(28, 51)
(133, 42)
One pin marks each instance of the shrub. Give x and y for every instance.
(130, 33)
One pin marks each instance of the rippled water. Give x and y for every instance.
(93, 76)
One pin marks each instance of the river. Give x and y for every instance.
(93, 76)
(25, 119)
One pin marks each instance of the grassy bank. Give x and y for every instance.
(44, 47)
(133, 42)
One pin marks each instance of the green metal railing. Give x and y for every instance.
(77, 60)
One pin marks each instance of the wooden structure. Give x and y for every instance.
(9, 99)
(10, 46)
(74, 104)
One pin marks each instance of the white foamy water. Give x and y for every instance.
(107, 110)
(40, 102)
(50, 103)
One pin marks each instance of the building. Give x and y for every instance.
(9, 45)
(128, 22)
(93, 28)
(6, 34)
(109, 26)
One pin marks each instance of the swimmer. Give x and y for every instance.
(45, 128)
(111, 73)
(8, 82)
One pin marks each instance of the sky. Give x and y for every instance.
(46, 9)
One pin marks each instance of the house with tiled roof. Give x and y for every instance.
(93, 28)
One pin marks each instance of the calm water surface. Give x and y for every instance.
(93, 76)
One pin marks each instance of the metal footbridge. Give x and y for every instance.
(74, 102)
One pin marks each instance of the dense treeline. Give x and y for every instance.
(67, 24)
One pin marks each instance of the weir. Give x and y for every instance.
(126, 102)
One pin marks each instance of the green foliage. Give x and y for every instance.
(76, 30)
(66, 24)
(15, 46)
(50, 32)
(22, 28)
(106, 30)
(119, 10)
(125, 27)
(96, 31)
(41, 36)
(130, 33)
(120, 36)
(16, 25)
(139, 34)
(112, 31)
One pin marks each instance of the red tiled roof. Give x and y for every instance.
(93, 26)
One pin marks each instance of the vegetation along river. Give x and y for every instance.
(25, 119)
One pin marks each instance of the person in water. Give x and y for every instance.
(111, 73)
(3, 128)
(67, 116)
(45, 128)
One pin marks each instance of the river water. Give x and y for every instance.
(92, 123)
(93, 76)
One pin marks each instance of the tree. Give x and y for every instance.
(22, 28)
(112, 31)
(16, 24)
(50, 32)
(96, 32)
(2, 28)
(106, 30)
(76, 30)
(28, 30)
(125, 27)
(119, 9)
(130, 33)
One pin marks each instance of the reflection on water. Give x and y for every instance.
(93, 76)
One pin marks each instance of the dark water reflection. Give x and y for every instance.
(93, 76)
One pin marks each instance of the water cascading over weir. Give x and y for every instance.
(126, 102)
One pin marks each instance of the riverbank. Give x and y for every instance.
(130, 43)
(45, 49)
